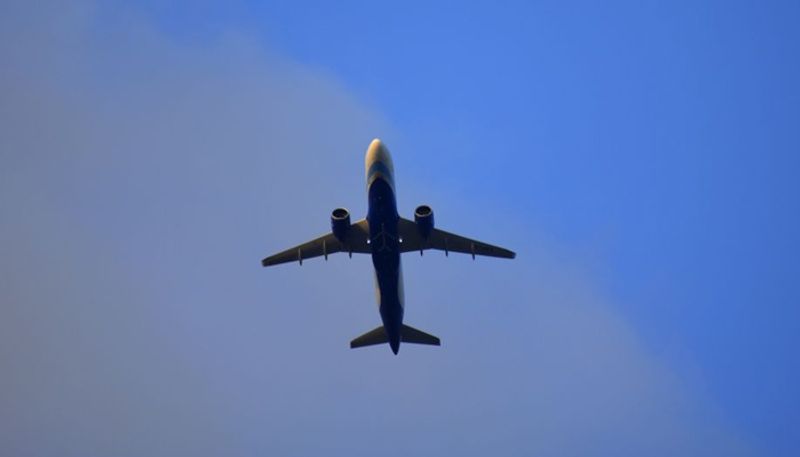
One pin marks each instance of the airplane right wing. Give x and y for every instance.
(356, 241)
(446, 241)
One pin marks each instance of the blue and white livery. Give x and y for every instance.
(385, 235)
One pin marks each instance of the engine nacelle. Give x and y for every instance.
(423, 216)
(340, 223)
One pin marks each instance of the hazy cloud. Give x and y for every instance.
(142, 180)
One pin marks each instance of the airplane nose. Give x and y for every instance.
(377, 152)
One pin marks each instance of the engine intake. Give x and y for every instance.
(423, 216)
(340, 223)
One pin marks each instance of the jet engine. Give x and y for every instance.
(340, 223)
(423, 216)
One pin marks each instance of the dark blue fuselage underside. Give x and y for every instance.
(382, 217)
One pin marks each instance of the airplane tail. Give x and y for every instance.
(408, 334)
(374, 336)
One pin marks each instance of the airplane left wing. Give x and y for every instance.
(446, 241)
(355, 241)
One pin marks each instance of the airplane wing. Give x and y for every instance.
(356, 241)
(446, 241)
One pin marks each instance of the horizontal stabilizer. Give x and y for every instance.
(372, 337)
(411, 335)
(407, 335)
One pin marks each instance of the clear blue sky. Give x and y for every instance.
(649, 148)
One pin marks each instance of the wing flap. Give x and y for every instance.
(446, 241)
(325, 245)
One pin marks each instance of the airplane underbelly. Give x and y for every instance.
(388, 281)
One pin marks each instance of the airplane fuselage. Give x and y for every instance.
(384, 240)
(385, 236)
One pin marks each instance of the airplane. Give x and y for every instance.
(385, 235)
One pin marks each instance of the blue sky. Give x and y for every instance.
(639, 156)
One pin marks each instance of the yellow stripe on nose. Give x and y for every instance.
(378, 163)
(378, 153)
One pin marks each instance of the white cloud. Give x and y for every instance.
(141, 182)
